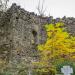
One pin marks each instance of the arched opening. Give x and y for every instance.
(34, 33)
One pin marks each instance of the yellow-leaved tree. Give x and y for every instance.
(59, 45)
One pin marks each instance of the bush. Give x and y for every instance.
(44, 72)
(59, 65)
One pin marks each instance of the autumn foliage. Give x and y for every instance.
(60, 45)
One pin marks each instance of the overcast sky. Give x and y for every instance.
(56, 8)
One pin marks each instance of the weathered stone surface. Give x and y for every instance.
(21, 31)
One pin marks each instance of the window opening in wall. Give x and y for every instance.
(34, 36)
(34, 33)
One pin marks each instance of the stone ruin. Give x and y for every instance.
(21, 31)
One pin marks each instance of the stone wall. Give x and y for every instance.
(21, 31)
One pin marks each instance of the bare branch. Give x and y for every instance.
(0, 3)
(3, 5)
(40, 8)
